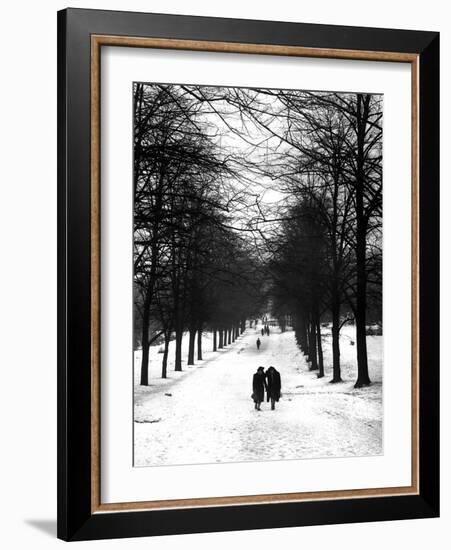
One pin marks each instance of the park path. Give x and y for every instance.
(208, 416)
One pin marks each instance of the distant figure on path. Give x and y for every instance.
(258, 387)
(263, 331)
(258, 344)
(273, 386)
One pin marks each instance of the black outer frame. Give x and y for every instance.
(75, 520)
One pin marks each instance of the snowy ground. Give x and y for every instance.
(205, 413)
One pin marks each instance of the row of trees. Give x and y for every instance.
(192, 270)
(209, 244)
(327, 257)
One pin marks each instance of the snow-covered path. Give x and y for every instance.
(208, 416)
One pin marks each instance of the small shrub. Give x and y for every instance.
(374, 330)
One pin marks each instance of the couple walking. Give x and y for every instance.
(269, 381)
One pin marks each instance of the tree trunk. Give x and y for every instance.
(199, 344)
(312, 347)
(301, 333)
(145, 363)
(336, 341)
(304, 335)
(320, 349)
(178, 348)
(145, 345)
(224, 338)
(230, 336)
(221, 340)
(363, 378)
(164, 367)
(215, 340)
(192, 339)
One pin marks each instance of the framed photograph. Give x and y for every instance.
(248, 274)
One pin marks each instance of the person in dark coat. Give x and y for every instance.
(263, 331)
(273, 386)
(258, 344)
(258, 387)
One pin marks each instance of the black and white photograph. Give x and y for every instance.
(226, 266)
(257, 274)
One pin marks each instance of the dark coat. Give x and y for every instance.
(273, 384)
(258, 387)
